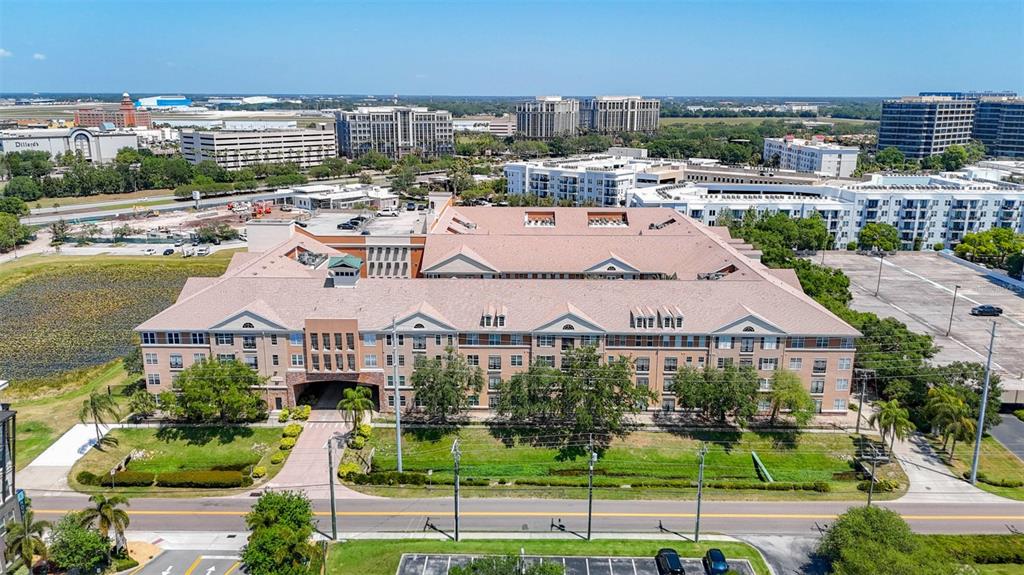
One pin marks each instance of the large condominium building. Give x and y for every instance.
(924, 209)
(973, 95)
(547, 117)
(395, 131)
(506, 288)
(999, 124)
(923, 126)
(236, 149)
(10, 507)
(815, 155)
(614, 114)
(125, 116)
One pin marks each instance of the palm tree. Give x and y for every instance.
(25, 538)
(892, 420)
(106, 515)
(356, 403)
(962, 427)
(942, 407)
(97, 407)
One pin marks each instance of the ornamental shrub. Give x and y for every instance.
(276, 458)
(881, 486)
(203, 479)
(291, 430)
(365, 429)
(301, 413)
(346, 469)
(131, 479)
(258, 472)
(284, 416)
(287, 443)
(87, 478)
(358, 442)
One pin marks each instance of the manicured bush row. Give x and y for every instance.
(881, 486)
(233, 467)
(287, 443)
(291, 430)
(1020, 414)
(388, 478)
(346, 469)
(995, 482)
(203, 479)
(276, 458)
(119, 479)
(284, 416)
(301, 413)
(981, 549)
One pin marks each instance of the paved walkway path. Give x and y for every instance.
(306, 467)
(49, 471)
(931, 481)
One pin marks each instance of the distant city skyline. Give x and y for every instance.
(738, 48)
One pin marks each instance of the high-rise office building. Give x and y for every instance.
(395, 131)
(999, 124)
(613, 114)
(547, 117)
(923, 126)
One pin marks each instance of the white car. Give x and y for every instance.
(149, 251)
(387, 214)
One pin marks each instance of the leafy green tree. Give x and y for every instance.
(13, 205)
(788, 393)
(966, 380)
(508, 565)
(223, 391)
(1015, 265)
(994, 245)
(59, 231)
(106, 515)
(12, 232)
(98, 407)
(954, 158)
(279, 550)
(124, 230)
(73, 545)
(24, 188)
(443, 386)
(375, 161)
(356, 402)
(879, 236)
(25, 538)
(891, 158)
(876, 541)
(291, 509)
(402, 177)
(961, 428)
(719, 393)
(142, 403)
(587, 395)
(365, 178)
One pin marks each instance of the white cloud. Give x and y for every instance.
(5, 53)
(38, 56)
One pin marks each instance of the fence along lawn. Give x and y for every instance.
(651, 461)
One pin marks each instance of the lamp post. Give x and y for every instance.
(951, 309)
(878, 285)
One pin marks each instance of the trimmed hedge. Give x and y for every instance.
(87, 478)
(287, 443)
(995, 482)
(291, 430)
(302, 412)
(284, 416)
(258, 472)
(881, 486)
(388, 478)
(1020, 414)
(346, 469)
(979, 549)
(120, 479)
(203, 479)
(276, 458)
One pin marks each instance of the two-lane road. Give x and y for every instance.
(536, 515)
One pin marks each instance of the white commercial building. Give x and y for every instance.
(924, 209)
(95, 145)
(236, 149)
(395, 131)
(811, 156)
(499, 126)
(325, 197)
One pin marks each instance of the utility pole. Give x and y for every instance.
(984, 404)
(949, 328)
(590, 486)
(457, 454)
(862, 375)
(874, 461)
(398, 393)
(700, 489)
(878, 285)
(330, 482)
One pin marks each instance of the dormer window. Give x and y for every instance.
(248, 325)
(500, 321)
(485, 321)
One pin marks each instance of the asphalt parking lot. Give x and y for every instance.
(412, 564)
(917, 289)
(192, 563)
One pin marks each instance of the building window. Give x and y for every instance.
(391, 401)
(315, 362)
(151, 359)
(173, 338)
(839, 404)
(176, 361)
(643, 382)
(472, 339)
(198, 357)
(670, 384)
(796, 363)
(248, 342)
(273, 339)
(764, 384)
(516, 361)
(493, 362)
(473, 359)
(725, 342)
(768, 363)
(820, 366)
(770, 343)
(643, 364)
(370, 360)
(724, 361)
(474, 401)
(548, 360)
(671, 364)
(327, 362)
(369, 339)
(842, 384)
(746, 345)
(198, 338)
(844, 363)
(298, 360)
(796, 342)
(225, 339)
(153, 379)
(148, 338)
(493, 382)
(295, 338)
(545, 341)
(337, 341)
(516, 339)
(764, 404)
(225, 357)
(817, 386)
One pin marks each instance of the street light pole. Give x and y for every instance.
(874, 462)
(881, 259)
(951, 309)
(984, 404)
(330, 482)
(700, 491)
(457, 455)
(590, 486)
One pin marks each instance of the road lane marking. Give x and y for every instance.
(608, 514)
(194, 565)
(232, 568)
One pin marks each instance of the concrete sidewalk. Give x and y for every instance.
(931, 481)
(48, 473)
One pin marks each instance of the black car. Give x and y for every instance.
(668, 562)
(169, 252)
(715, 563)
(986, 310)
(346, 226)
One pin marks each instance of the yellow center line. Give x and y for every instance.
(611, 514)
(194, 565)
(232, 568)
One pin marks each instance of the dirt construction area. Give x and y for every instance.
(917, 289)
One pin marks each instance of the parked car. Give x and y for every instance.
(410, 207)
(302, 224)
(149, 251)
(179, 243)
(387, 214)
(195, 242)
(668, 562)
(715, 563)
(346, 226)
(365, 232)
(359, 219)
(987, 310)
(169, 252)
(215, 241)
(286, 207)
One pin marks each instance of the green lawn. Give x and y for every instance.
(381, 557)
(997, 463)
(1000, 569)
(78, 200)
(182, 449)
(645, 464)
(48, 407)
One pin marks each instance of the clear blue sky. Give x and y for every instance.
(711, 47)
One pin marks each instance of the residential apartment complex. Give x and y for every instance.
(125, 116)
(923, 126)
(815, 155)
(395, 131)
(547, 117)
(236, 149)
(505, 287)
(614, 114)
(924, 209)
